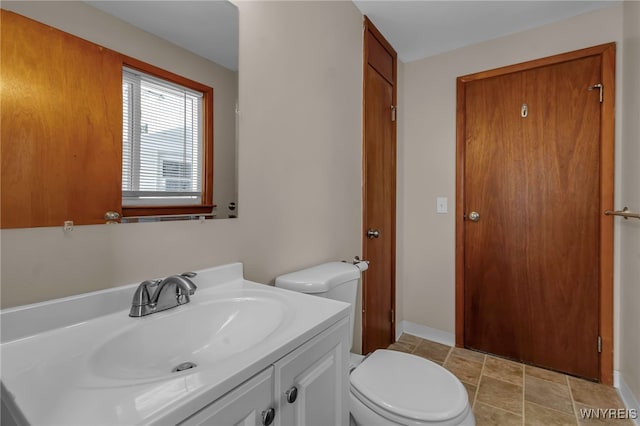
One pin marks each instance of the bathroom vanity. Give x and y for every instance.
(299, 389)
(239, 353)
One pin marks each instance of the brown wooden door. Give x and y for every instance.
(61, 139)
(379, 158)
(532, 169)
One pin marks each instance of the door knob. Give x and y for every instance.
(373, 233)
(474, 216)
(111, 217)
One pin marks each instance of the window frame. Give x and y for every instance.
(206, 205)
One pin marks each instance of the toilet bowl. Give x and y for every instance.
(386, 387)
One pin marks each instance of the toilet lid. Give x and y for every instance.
(409, 386)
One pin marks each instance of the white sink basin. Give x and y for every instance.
(153, 346)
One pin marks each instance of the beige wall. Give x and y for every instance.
(426, 240)
(630, 229)
(300, 133)
(299, 163)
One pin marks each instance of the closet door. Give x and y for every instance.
(379, 191)
(532, 215)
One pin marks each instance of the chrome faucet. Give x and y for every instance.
(169, 293)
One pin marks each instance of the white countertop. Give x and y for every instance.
(51, 376)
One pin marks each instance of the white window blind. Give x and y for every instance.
(162, 142)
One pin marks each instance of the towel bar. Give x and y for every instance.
(624, 213)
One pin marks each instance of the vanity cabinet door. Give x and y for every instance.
(246, 405)
(312, 381)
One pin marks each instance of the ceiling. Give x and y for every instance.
(418, 29)
(207, 28)
(415, 28)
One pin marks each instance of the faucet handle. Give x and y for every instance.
(182, 297)
(141, 304)
(188, 274)
(141, 297)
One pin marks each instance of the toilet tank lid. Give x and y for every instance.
(320, 278)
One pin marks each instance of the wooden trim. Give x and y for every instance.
(607, 174)
(607, 52)
(365, 253)
(394, 158)
(165, 210)
(162, 73)
(207, 101)
(207, 189)
(460, 209)
(369, 27)
(537, 63)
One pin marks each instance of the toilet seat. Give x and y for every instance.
(408, 389)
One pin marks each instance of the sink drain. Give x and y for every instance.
(184, 366)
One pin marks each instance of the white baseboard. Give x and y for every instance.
(628, 398)
(425, 332)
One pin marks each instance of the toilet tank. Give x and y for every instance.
(333, 280)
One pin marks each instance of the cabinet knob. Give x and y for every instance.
(268, 416)
(292, 395)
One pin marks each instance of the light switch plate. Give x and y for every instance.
(441, 205)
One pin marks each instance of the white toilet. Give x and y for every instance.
(387, 387)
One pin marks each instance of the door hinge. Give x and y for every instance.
(600, 88)
(393, 112)
(599, 344)
(393, 316)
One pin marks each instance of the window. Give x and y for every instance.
(166, 144)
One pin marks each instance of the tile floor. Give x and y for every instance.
(507, 393)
